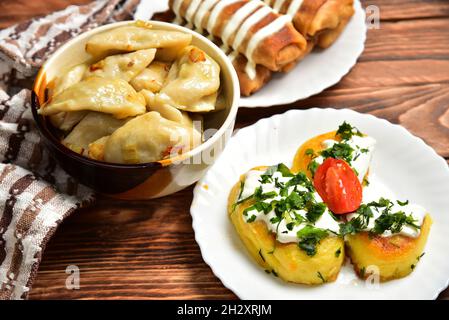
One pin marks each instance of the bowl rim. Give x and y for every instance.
(228, 123)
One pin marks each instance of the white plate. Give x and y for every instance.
(402, 162)
(318, 71)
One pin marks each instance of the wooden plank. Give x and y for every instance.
(129, 250)
(425, 39)
(410, 9)
(422, 109)
(147, 249)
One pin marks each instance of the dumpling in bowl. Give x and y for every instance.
(67, 120)
(135, 37)
(168, 112)
(94, 126)
(95, 149)
(192, 83)
(124, 66)
(152, 78)
(112, 96)
(148, 138)
(71, 77)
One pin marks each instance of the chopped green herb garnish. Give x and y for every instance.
(312, 167)
(362, 272)
(393, 222)
(340, 150)
(309, 237)
(315, 211)
(365, 181)
(346, 131)
(359, 223)
(402, 203)
(251, 219)
(242, 186)
(387, 221)
(338, 252)
(321, 277)
(261, 255)
(310, 152)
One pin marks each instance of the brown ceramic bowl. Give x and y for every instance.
(146, 180)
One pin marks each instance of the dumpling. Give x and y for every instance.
(67, 120)
(94, 126)
(95, 149)
(165, 110)
(152, 78)
(113, 96)
(73, 76)
(124, 66)
(173, 114)
(135, 37)
(148, 138)
(192, 83)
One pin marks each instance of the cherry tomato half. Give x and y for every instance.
(338, 186)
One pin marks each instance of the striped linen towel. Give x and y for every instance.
(35, 193)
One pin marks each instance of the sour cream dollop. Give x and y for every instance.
(283, 233)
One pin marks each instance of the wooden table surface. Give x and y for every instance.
(147, 249)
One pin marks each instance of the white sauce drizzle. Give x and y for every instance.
(268, 2)
(236, 20)
(233, 55)
(191, 12)
(278, 5)
(248, 24)
(294, 7)
(216, 13)
(241, 22)
(204, 8)
(177, 10)
(260, 35)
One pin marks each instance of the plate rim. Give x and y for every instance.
(358, 52)
(441, 161)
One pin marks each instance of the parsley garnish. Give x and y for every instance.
(346, 131)
(310, 152)
(359, 223)
(309, 237)
(321, 277)
(339, 151)
(392, 221)
(261, 255)
(362, 272)
(387, 221)
(312, 167)
(315, 211)
(338, 252)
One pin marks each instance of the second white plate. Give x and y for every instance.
(318, 71)
(402, 163)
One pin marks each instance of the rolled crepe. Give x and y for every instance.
(250, 85)
(248, 27)
(320, 20)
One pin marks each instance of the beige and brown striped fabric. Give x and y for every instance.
(35, 193)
